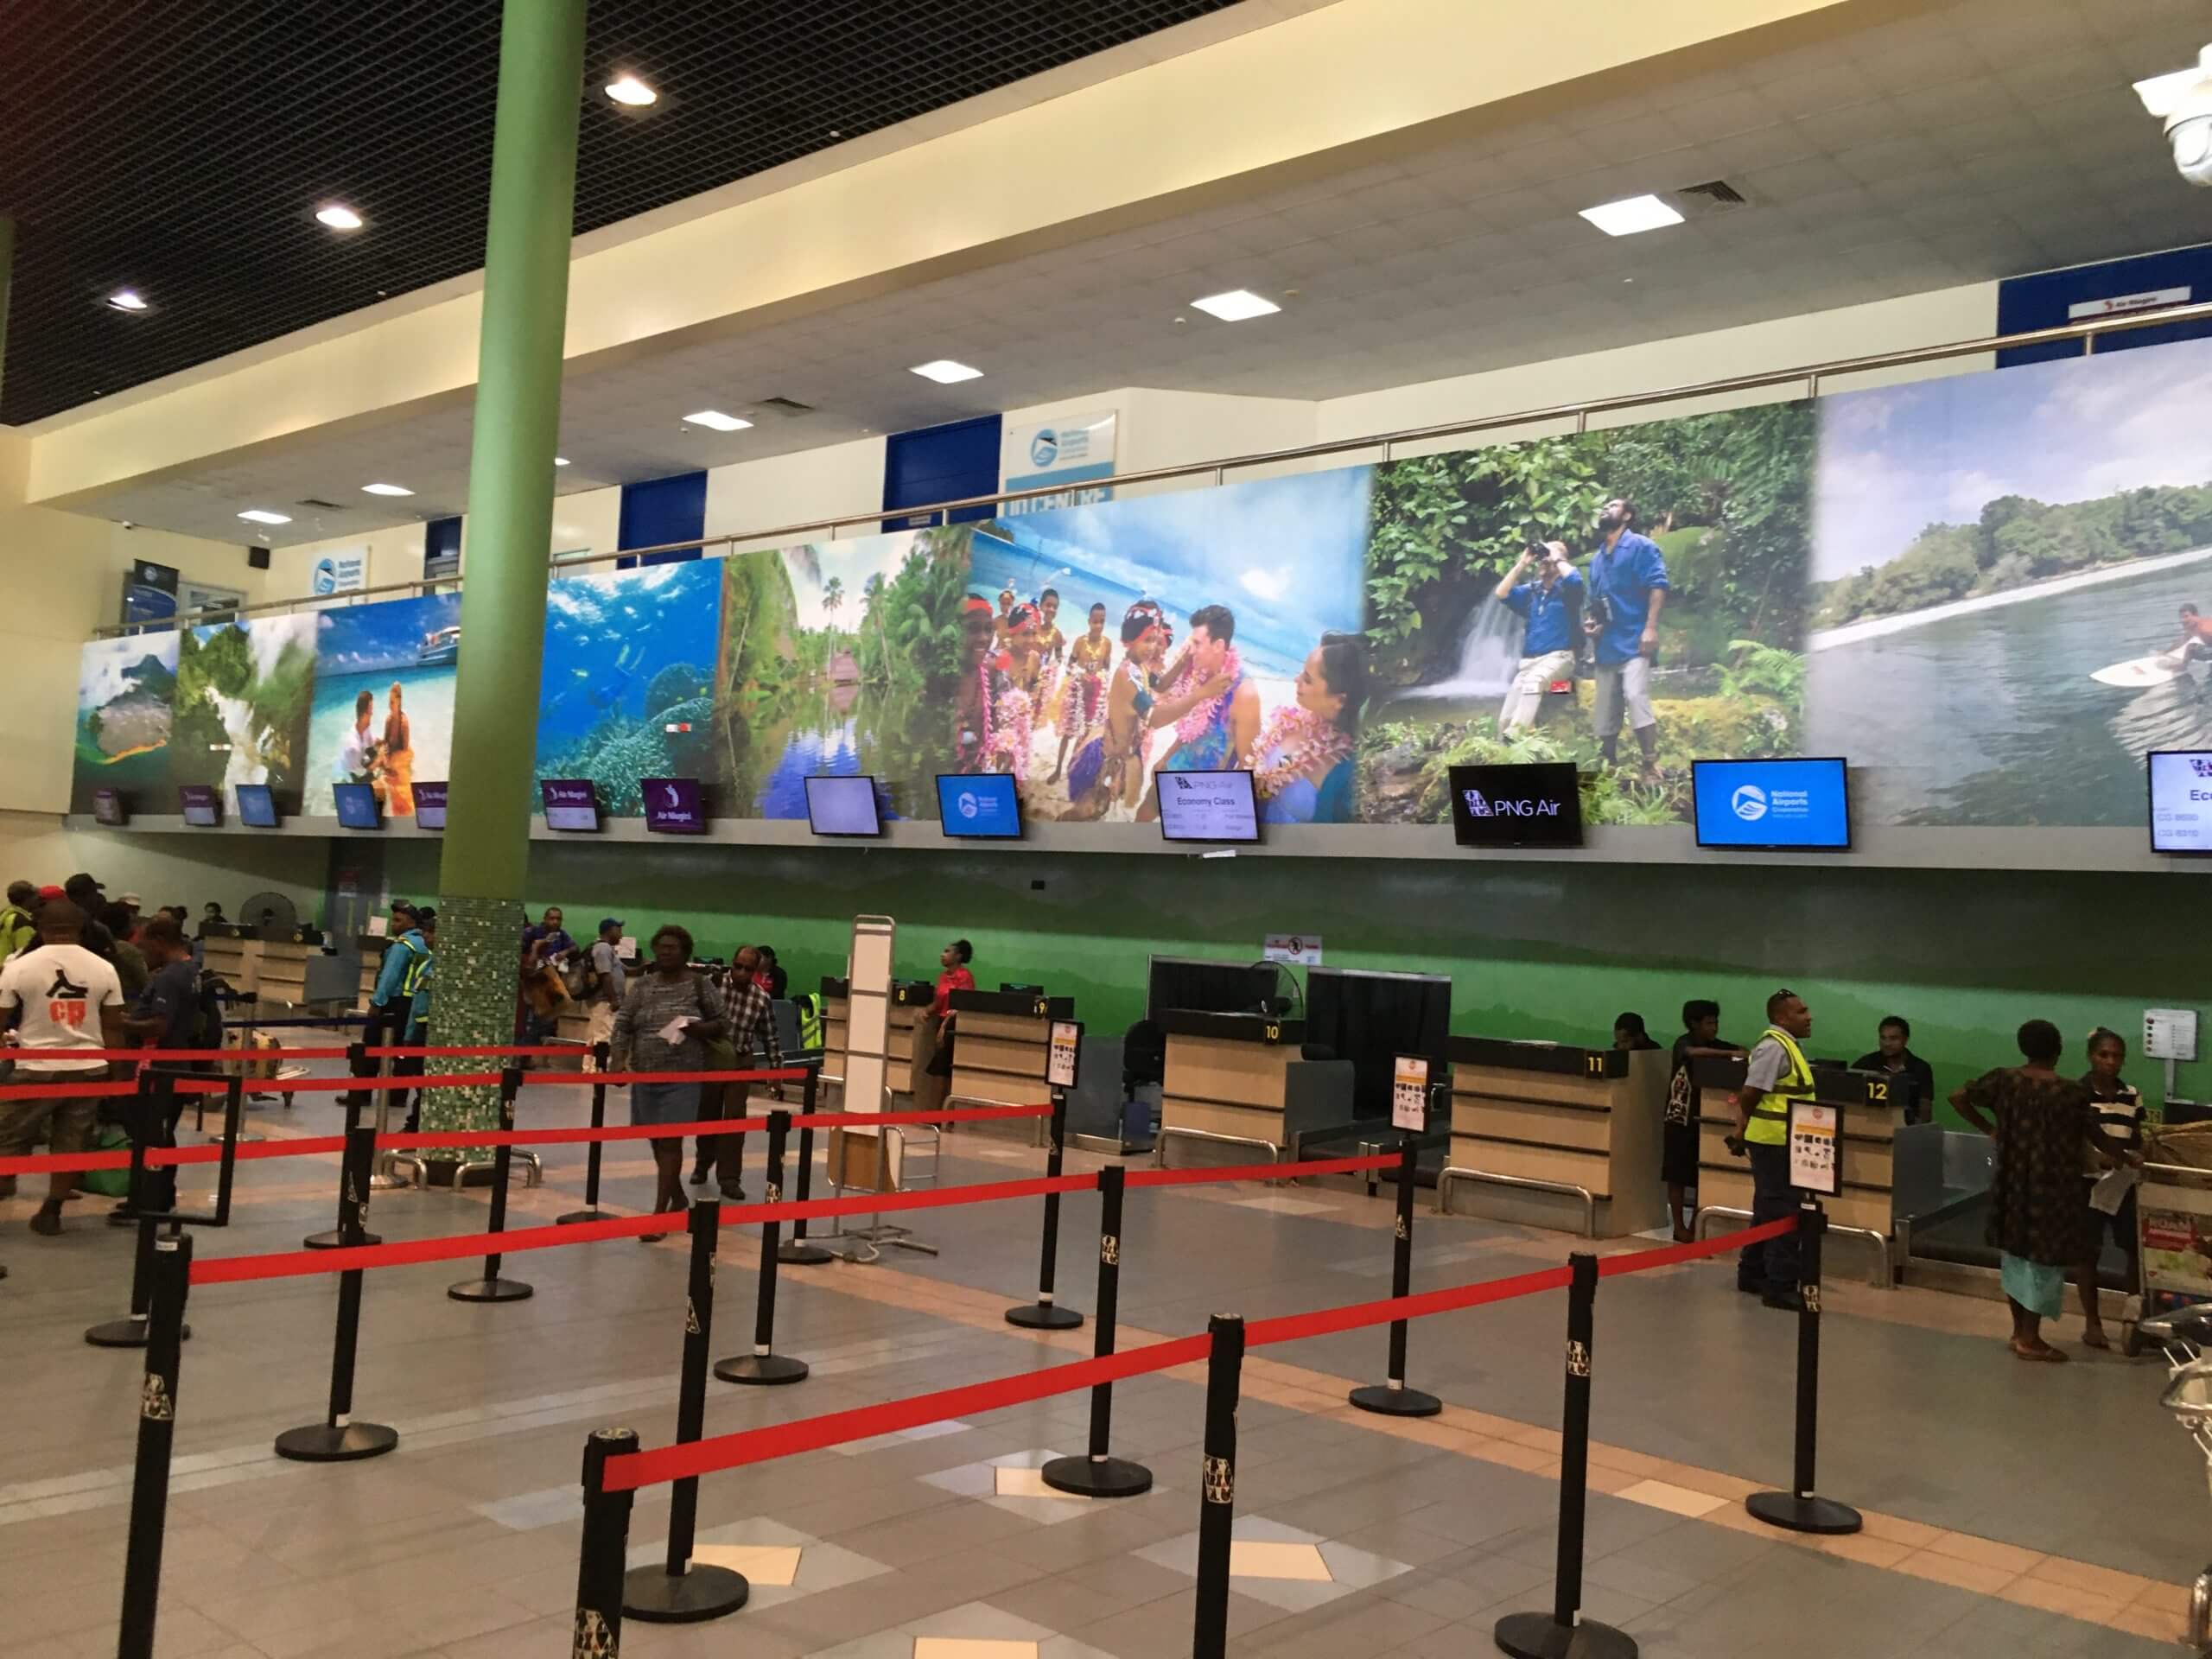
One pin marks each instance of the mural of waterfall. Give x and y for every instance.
(1489, 653)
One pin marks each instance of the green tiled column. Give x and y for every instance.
(510, 530)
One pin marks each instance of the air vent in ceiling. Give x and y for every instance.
(789, 407)
(320, 507)
(1702, 201)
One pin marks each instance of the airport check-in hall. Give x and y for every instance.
(1354, 828)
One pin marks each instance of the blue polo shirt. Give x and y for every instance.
(1550, 616)
(1624, 575)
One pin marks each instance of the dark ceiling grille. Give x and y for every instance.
(179, 147)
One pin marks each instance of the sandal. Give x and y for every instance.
(2044, 1352)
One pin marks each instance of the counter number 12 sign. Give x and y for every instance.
(1409, 1094)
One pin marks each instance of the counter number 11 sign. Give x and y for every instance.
(1815, 1148)
(1409, 1094)
(1060, 1053)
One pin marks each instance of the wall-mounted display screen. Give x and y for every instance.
(1208, 806)
(430, 806)
(107, 808)
(2181, 801)
(842, 806)
(257, 806)
(1538, 804)
(571, 804)
(201, 804)
(673, 806)
(982, 804)
(1802, 806)
(357, 806)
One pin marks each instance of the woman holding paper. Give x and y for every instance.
(667, 1018)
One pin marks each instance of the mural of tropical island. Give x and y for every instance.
(243, 693)
(125, 690)
(626, 692)
(403, 655)
(1726, 498)
(2000, 566)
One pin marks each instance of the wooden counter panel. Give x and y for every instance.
(1006, 1027)
(994, 1086)
(1246, 1122)
(1525, 1120)
(1233, 1074)
(1531, 1086)
(1860, 1122)
(1866, 1163)
(1592, 1170)
(997, 1054)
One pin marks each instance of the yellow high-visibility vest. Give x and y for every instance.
(1769, 1124)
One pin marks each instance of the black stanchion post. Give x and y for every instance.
(356, 1058)
(491, 1287)
(1393, 1398)
(1558, 1635)
(1044, 1314)
(337, 1437)
(1799, 1510)
(129, 1331)
(1217, 1478)
(763, 1367)
(150, 1481)
(1095, 1474)
(795, 1251)
(681, 1592)
(601, 1561)
(591, 1211)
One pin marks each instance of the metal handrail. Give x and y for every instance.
(1444, 1177)
(1882, 1278)
(1215, 472)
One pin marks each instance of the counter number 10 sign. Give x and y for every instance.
(1061, 1050)
(1409, 1094)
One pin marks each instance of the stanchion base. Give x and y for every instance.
(1535, 1636)
(490, 1290)
(1107, 1477)
(802, 1255)
(320, 1443)
(125, 1333)
(762, 1370)
(1796, 1514)
(1385, 1401)
(331, 1239)
(691, 1597)
(1044, 1316)
(569, 1220)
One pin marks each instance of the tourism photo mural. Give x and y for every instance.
(1988, 591)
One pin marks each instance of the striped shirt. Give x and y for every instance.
(751, 1021)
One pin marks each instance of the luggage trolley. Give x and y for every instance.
(2184, 1333)
(2173, 1238)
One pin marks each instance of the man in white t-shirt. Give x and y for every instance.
(61, 1000)
(608, 981)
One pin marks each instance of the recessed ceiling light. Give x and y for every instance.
(628, 89)
(946, 372)
(1238, 305)
(1631, 215)
(715, 420)
(339, 217)
(126, 299)
(560, 460)
(385, 489)
(262, 516)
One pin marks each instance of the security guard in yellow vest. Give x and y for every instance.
(1777, 1073)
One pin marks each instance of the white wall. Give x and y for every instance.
(167, 869)
(807, 487)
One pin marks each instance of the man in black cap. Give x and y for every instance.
(89, 896)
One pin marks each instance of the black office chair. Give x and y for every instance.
(1144, 1065)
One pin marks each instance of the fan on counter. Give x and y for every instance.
(272, 913)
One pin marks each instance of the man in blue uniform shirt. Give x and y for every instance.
(1628, 586)
(1548, 605)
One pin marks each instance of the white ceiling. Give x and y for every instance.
(1970, 140)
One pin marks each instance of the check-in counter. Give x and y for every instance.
(281, 974)
(1556, 1136)
(1872, 1108)
(233, 953)
(998, 1057)
(910, 1000)
(1225, 1080)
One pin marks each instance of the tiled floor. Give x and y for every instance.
(2012, 1509)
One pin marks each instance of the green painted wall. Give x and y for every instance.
(1544, 950)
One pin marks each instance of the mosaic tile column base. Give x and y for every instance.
(472, 1002)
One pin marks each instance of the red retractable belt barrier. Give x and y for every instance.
(1668, 1256)
(1259, 1172)
(66, 1163)
(708, 1127)
(580, 1079)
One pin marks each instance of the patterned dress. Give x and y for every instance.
(2035, 1186)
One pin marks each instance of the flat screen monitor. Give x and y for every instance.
(2181, 800)
(1216, 806)
(673, 806)
(1371, 1019)
(1800, 804)
(1536, 804)
(257, 806)
(201, 804)
(1203, 986)
(571, 804)
(839, 805)
(107, 808)
(357, 806)
(430, 806)
(979, 806)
